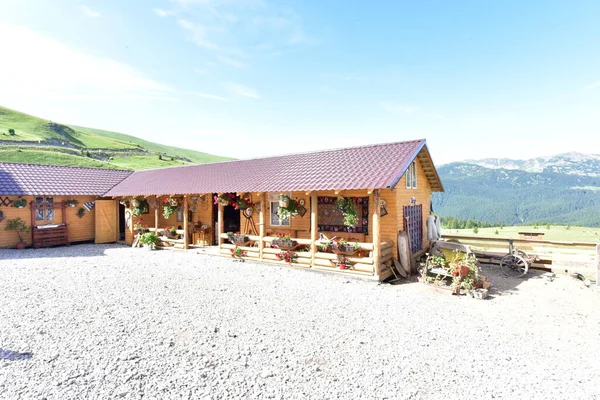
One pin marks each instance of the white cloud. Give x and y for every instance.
(78, 75)
(242, 91)
(231, 62)
(197, 33)
(163, 13)
(593, 85)
(208, 96)
(88, 12)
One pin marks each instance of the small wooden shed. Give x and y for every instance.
(62, 205)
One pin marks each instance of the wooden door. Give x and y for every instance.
(106, 221)
(413, 226)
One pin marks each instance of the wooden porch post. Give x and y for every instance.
(156, 215)
(219, 224)
(261, 224)
(375, 216)
(314, 227)
(185, 222)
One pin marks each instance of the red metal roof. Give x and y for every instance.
(366, 167)
(39, 180)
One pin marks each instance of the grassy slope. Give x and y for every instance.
(195, 156)
(51, 158)
(29, 128)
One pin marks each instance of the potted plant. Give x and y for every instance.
(71, 203)
(140, 227)
(288, 211)
(173, 232)
(239, 239)
(288, 256)
(19, 203)
(149, 240)
(284, 241)
(347, 206)
(342, 246)
(284, 201)
(18, 225)
(139, 207)
(224, 199)
(238, 253)
(242, 203)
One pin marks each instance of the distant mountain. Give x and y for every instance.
(561, 189)
(25, 138)
(567, 163)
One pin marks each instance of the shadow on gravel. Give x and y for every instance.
(503, 285)
(12, 355)
(73, 250)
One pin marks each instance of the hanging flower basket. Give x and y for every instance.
(284, 201)
(19, 203)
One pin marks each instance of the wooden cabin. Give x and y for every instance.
(390, 184)
(57, 203)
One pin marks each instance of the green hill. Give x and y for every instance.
(25, 138)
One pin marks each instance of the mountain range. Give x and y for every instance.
(559, 189)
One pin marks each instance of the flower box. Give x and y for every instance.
(284, 244)
(240, 240)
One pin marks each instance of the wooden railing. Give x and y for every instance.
(361, 263)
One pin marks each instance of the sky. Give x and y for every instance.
(253, 78)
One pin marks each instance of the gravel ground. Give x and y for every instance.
(106, 321)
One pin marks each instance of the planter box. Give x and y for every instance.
(345, 250)
(284, 244)
(243, 241)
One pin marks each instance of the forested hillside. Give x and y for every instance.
(518, 197)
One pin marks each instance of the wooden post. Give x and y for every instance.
(185, 222)
(314, 227)
(376, 226)
(219, 224)
(598, 265)
(261, 224)
(156, 215)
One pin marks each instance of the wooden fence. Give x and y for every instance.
(549, 252)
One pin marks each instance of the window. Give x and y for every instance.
(274, 201)
(45, 209)
(411, 176)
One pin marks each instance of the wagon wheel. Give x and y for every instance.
(514, 266)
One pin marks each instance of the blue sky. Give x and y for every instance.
(247, 78)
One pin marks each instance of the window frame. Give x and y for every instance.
(273, 211)
(411, 176)
(45, 209)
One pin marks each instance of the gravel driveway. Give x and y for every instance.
(107, 321)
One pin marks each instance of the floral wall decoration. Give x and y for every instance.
(331, 218)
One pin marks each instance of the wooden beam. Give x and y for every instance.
(370, 191)
(185, 222)
(337, 192)
(156, 214)
(376, 226)
(308, 193)
(219, 224)
(261, 225)
(314, 226)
